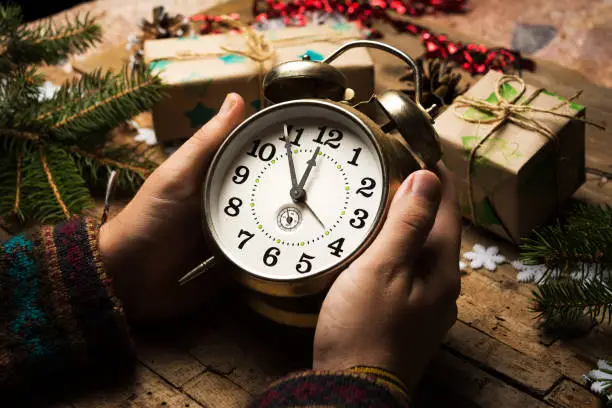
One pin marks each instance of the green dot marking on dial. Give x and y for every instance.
(302, 243)
(347, 188)
(343, 212)
(260, 226)
(320, 152)
(326, 232)
(278, 241)
(257, 180)
(295, 151)
(273, 161)
(339, 166)
(252, 204)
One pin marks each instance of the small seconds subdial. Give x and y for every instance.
(289, 218)
(296, 192)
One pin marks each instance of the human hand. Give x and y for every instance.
(157, 237)
(392, 307)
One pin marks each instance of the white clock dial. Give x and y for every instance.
(251, 213)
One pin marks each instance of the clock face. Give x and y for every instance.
(338, 196)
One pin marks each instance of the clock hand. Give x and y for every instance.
(295, 191)
(313, 213)
(311, 163)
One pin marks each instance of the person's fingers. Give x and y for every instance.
(189, 161)
(411, 216)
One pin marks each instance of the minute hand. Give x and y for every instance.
(290, 158)
(311, 163)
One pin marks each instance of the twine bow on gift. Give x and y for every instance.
(504, 111)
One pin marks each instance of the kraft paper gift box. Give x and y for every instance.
(200, 72)
(519, 176)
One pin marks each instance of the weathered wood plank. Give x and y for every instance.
(147, 390)
(174, 365)
(249, 350)
(477, 386)
(214, 390)
(568, 394)
(520, 368)
(484, 305)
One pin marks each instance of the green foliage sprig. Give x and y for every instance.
(52, 149)
(580, 248)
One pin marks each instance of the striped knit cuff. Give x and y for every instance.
(355, 387)
(61, 314)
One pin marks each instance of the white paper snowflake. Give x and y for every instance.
(533, 273)
(144, 134)
(590, 272)
(131, 41)
(600, 379)
(47, 90)
(487, 257)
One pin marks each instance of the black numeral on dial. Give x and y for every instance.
(359, 221)
(244, 241)
(368, 184)
(242, 173)
(334, 137)
(304, 265)
(336, 247)
(266, 152)
(270, 258)
(294, 140)
(353, 161)
(233, 208)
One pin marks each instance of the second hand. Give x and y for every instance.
(315, 214)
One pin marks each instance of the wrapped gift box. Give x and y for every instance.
(199, 71)
(519, 176)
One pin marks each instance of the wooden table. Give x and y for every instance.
(495, 355)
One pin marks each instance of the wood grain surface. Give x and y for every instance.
(496, 355)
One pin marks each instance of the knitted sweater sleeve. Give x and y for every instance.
(355, 387)
(57, 310)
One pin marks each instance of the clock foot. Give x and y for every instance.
(300, 312)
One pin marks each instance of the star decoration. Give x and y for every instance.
(256, 104)
(199, 115)
(313, 55)
(487, 257)
(600, 379)
(232, 58)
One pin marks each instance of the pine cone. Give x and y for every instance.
(440, 83)
(164, 26)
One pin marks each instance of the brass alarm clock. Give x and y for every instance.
(298, 190)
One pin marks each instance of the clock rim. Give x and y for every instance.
(306, 285)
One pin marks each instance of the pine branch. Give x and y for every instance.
(54, 190)
(567, 300)
(584, 237)
(96, 166)
(10, 19)
(19, 94)
(120, 97)
(48, 43)
(10, 184)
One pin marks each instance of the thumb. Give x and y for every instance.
(191, 159)
(411, 216)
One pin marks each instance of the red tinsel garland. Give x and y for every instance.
(474, 58)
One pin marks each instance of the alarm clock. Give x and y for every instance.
(300, 189)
